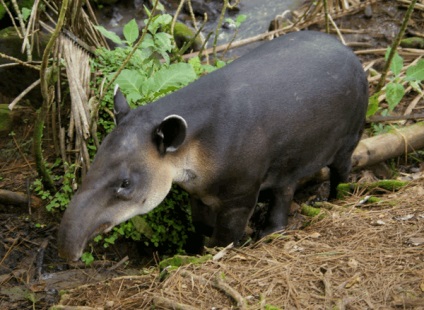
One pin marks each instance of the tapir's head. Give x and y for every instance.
(131, 174)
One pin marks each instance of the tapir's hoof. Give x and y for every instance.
(270, 230)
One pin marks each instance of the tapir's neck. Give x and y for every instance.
(191, 167)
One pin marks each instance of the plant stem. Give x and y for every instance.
(395, 45)
(45, 75)
(327, 22)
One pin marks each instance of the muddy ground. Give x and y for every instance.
(355, 255)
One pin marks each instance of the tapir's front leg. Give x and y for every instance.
(232, 219)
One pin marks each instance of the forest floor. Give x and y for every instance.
(355, 255)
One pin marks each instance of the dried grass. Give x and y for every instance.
(355, 259)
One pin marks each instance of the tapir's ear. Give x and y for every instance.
(121, 106)
(171, 133)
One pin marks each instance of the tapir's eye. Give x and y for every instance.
(125, 183)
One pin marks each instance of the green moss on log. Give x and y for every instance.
(346, 189)
(310, 211)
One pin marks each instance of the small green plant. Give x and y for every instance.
(239, 20)
(60, 199)
(87, 258)
(395, 89)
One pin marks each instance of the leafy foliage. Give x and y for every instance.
(395, 89)
(59, 200)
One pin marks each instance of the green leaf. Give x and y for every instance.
(26, 13)
(131, 31)
(87, 258)
(167, 79)
(394, 94)
(109, 34)
(397, 64)
(130, 81)
(163, 40)
(373, 105)
(158, 22)
(240, 19)
(416, 73)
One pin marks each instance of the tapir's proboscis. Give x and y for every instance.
(263, 122)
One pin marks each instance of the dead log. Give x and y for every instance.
(395, 143)
(18, 198)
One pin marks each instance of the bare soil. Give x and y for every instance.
(354, 255)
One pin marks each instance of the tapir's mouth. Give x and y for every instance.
(105, 227)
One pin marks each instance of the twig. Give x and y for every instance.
(328, 291)
(223, 252)
(160, 301)
(22, 24)
(21, 95)
(22, 154)
(118, 264)
(174, 20)
(392, 118)
(40, 258)
(11, 18)
(224, 287)
(337, 29)
(326, 16)
(18, 61)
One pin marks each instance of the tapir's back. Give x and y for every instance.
(292, 77)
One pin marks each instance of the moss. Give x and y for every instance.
(373, 199)
(413, 42)
(183, 34)
(310, 211)
(345, 189)
(181, 260)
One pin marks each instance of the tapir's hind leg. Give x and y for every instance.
(340, 169)
(278, 209)
(232, 220)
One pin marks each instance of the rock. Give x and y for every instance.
(368, 11)
(183, 34)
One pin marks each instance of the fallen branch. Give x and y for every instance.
(224, 287)
(18, 199)
(389, 145)
(166, 303)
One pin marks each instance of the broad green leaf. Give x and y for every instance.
(110, 35)
(394, 94)
(130, 82)
(159, 21)
(168, 79)
(416, 73)
(397, 64)
(163, 40)
(131, 32)
(373, 105)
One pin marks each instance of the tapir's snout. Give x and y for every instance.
(79, 224)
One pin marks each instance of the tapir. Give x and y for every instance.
(276, 115)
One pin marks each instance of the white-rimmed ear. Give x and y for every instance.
(121, 106)
(171, 133)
